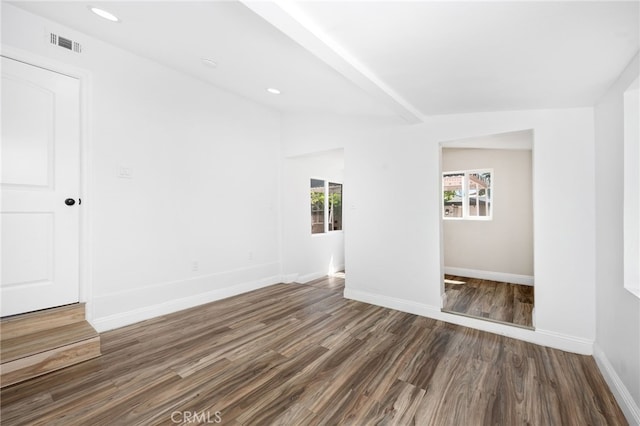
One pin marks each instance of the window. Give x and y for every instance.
(467, 195)
(631, 200)
(326, 206)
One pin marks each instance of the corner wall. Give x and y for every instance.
(198, 219)
(617, 310)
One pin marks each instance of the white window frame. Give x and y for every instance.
(632, 188)
(465, 195)
(327, 182)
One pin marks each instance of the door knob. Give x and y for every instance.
(69, 201)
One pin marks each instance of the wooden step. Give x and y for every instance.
(32, 322)
(42, 341)
(39, 342)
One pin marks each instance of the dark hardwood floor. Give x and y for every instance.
(491, 300)
(294, 355)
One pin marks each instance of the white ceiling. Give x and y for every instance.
(452, 57)
(380, 58)
(251, 54)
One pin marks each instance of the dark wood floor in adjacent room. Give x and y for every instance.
(491, 300)
(303, 355)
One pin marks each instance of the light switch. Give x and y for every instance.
(125, 172)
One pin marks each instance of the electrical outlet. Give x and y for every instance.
(251, 255)
(195, 266)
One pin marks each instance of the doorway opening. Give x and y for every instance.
(313, 229)
(487, 228)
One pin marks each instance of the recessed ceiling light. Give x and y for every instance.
(104, 14)
(209, 62)
(273, 91)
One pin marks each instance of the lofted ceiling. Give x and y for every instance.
(382, 58)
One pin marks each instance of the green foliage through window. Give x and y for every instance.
(326, 206)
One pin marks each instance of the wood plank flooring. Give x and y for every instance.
(491, 300)
(293, 354)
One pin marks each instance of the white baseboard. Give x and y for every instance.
(403, 305)
(489, 275)
(539, 337)
(289, 278)
(138, 304)
(127, 318)
(629, 407)
(303, 279)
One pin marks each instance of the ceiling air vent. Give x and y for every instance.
(65, 43)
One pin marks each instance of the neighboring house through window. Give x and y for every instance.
(467, 194)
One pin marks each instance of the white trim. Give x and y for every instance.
(321, 234)
(219, 277)
(85, 285)
(289, 278)
(566, 342)
(490, 275)
(303, 279)
(540, 337)
(280, 203)
(629, 407)
(136, 315)
(631, 204)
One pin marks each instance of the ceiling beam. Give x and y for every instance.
(289, 19)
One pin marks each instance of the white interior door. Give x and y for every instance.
(40, 170)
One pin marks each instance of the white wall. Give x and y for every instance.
(393, 179)
(504, 244)
(205, 181)
(306, 256)
(617, 310)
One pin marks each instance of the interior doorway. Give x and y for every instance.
(487, 228)
(313, 228)
(40, 188)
